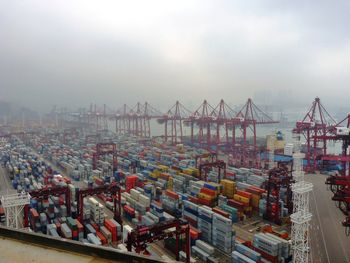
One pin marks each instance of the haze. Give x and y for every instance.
(72, 53)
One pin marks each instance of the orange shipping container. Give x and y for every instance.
(243, 193)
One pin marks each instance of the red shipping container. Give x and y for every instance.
(101, 237)
(203, 201)
(199, 233)
(257, 189)
(253, 191)
(95, 226)
(208, 191)
(221, 212)
(235, 204)
(112, 228)
(172, 194)
(193, 199)
(129, 210)
(75, 233)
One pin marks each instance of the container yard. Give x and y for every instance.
(174, 131)
(165, 200)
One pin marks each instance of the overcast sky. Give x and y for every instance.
(71, 53)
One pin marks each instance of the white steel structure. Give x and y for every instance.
(13, 205)
(301, 216)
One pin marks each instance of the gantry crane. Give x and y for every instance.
(245, 153)
(113, 189)
(278, 177)
(174, 118)
(340, 186)
(211, 157)
(45, 193)
(105, 149)
(339, 132)
(204, 168)
(315, 127)
(143, 235)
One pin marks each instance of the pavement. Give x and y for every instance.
(328, 242)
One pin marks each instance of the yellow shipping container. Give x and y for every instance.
(255, 200)
(163, 168)
(205, 196)
(227, 183)
(195, 171)
(154, 174)
(241, 199)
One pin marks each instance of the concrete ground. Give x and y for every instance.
(327, 236)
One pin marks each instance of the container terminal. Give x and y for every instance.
(95, 184)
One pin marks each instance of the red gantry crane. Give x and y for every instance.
(113, 189)
(340, 132)
(278, 177)
(315, 127)
(245, 150)
(202, 118)
(222, 118)
(174, 118)
(137, 120)
(143, 235)
(105, 149)
(122, 124)
(45, 193)
(340, 186)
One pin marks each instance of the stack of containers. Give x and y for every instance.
(255, 180)
(244, 198)
(208, 194)
(43, 222)
(72, 192)
(80, 230)
(129, 212)
(233, 212)
(203, 250)
(190, 213)
(228, 188)
(205, 218)
(93, 239)
(112, 228)
(87, 210)
(256, 194)
(107, 234)
(223, 237)
(170, 202)
(66, 231)
(195, 187)
(157, 209)
(240, 258)
(268, 245)
(72, 224)
(97, 213)
(52, 230)
(247, 252)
